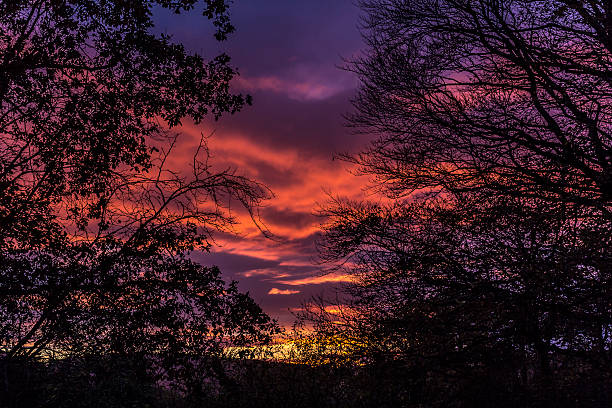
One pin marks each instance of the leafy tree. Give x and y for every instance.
(95, 229)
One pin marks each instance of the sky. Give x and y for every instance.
(288, 54)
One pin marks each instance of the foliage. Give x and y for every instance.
(95, 228)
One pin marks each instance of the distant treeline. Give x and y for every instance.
(111, 382)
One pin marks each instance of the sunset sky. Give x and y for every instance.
(287, 53)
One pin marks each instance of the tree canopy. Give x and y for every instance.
(482, 272)
(510, 96)
(95, 228)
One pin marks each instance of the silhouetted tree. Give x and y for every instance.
(510, 96)
(95, 228)
(490, 298)
(485, 279)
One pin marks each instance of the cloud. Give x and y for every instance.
(265, 272)
(288, 218)
(275, 291)
(297, 89)
(314, 127)
(317, 280)
(237, 263)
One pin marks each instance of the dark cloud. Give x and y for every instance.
(233, 263)
(316, 127)
(273, 36)
(288, 217)
(271, 175)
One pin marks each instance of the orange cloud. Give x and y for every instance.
(265, 272)
(299, 183)
(300, 177)
(317, 280)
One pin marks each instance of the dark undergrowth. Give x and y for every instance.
(111, 383)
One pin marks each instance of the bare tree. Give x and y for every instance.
(510, 96)
(464, 297)
(486, 278)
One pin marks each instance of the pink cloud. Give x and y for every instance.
(301, 90)
(275, 291)
(299, 176)
(265, 272)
